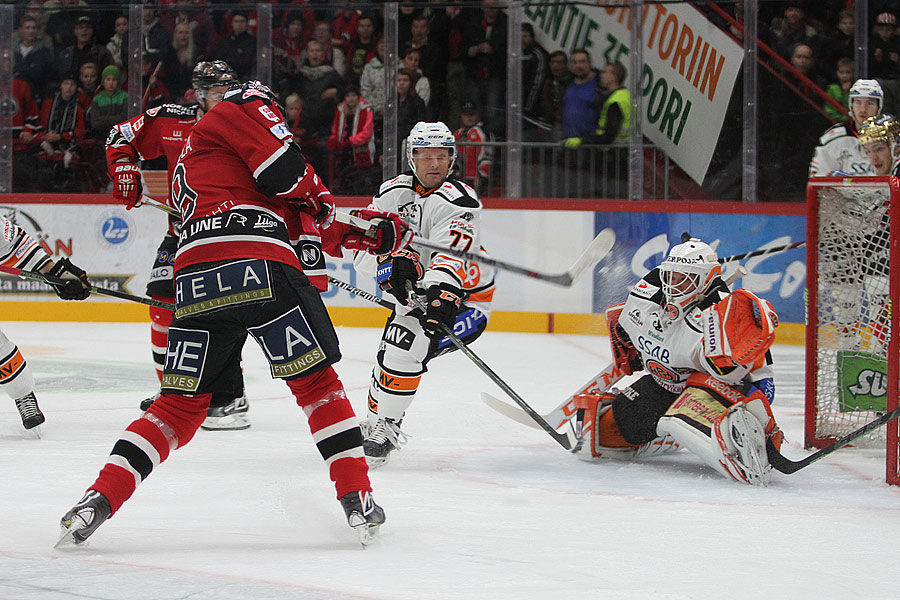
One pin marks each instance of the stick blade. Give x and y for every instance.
(509, 411)
(599, 247)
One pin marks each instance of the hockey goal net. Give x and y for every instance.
(851, 337)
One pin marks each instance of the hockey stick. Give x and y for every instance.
(567, 440)
(159, 205)
(776, 249)
(788, 466)
(562, 414)
(596, 250)
(600, 383)
(49, 279)
(361, 293)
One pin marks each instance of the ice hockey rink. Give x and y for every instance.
(478, 506)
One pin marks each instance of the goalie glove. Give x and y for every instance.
(394, 270)
(127, 187)
(390, 235)
(441, 308)
(739, 330)
(77, 286)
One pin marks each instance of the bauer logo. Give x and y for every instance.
(114, 229)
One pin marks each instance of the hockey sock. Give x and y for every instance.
(160, 319)
(334, 428)
(15, 374)
(391, 393)
(183, 414)
(141, 448)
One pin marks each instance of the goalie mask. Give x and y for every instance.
(430, 135)
(687, 274)
(865, 88)
(879, 138)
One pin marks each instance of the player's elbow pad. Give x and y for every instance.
(283, 173)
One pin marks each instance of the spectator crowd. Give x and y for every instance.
(71, 75)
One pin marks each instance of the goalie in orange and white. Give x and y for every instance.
(708, 383)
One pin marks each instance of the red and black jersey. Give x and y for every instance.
(238, 166)
(161, 131)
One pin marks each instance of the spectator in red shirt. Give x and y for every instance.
(474, 161)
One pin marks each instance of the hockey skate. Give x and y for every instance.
(746, 441)
(384, 438)
(231, 417)
(29, 411)
(83, 519)
(363, 515)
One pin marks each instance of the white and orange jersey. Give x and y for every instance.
(20, 250)
(450, 215)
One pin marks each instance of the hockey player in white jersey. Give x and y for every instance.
(458, 292)
(20, 250)
(839, 152)
(708, 385)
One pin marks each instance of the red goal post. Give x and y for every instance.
(852, 339)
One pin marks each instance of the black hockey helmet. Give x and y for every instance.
(210, 74)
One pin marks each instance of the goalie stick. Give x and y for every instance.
(567, 440)
(787, 466)
(49, 279)
(596, 250)
(755, 253)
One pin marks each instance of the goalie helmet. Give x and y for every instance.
(866, 88)
(210, 74)
(430, 135)
(687, 274)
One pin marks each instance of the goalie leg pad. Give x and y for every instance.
(604, 440)
(724, 428)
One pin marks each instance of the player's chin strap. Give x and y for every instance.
(596, 250)
(50, 279)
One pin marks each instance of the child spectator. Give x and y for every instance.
(840, 91)
(88, 84)
(475, 161)
(116, 44)
(884, 48)
(351, 142)
(61, 128)
(110, 105)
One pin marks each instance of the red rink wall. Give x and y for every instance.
(117, 247)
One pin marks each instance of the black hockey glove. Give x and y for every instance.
(77, 286)
(441, 308)
(394, 270)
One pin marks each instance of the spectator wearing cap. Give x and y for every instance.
(884, 48)
(552, 93)
(61, 23)
(535, 70)
(352, 141)
(84, 50)
(475, 160)
(239, 48)
(793, 28)
(110, 105)
(33, 60)
(61, 121)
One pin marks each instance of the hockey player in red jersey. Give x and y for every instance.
(161, 131)
(245, 193)
(20, 250)
(439, 207)
(708, 386)
(476, 160)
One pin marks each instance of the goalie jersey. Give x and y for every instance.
(449, 215)
(672, 349)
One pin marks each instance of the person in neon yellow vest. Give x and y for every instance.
(615, 113)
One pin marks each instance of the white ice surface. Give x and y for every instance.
(477, 506)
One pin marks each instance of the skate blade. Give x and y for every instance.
(375, 462)
(67, 536)
(367, 533)
(34, 433)
(236, 423)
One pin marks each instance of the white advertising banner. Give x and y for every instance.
(690, 67)
(116, 247)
